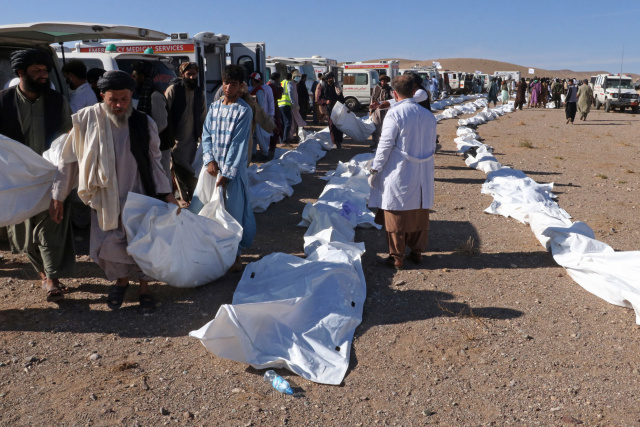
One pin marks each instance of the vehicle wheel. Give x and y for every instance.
(352, 104)
(634, 110)
(622, 109)
(607, 105)
(598, 104)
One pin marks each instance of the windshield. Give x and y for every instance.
(163, 74)
(618, 83)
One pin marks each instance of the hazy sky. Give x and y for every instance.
(585, 35)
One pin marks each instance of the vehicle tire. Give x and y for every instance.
(622, 109)
(607, 105)
(634, 110)
(352, 104)
(598, 104)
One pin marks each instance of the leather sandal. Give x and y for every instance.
(116, 296)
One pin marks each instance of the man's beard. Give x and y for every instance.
(32, 85)
(190, 83)
(120, 120)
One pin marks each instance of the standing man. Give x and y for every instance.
(585, 96)
(434, 88)
(286, 103)
(556, 93)
(521, 94)
(570, 101)
(328, 97)
(402, 175)
(261, 137)
(149, 99)
(81, 95)
(381, 93)
(274, 85)
(314, 86)
(34, 114)
(187, 105)
(303, 96)
(225, 142)
(113, 150)
(492, 96)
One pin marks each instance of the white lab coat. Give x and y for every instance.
(404, 159)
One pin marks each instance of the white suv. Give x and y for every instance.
(615, 91)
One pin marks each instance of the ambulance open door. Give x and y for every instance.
(249, 55)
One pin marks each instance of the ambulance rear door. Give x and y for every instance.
(210, 55)
(250, 55)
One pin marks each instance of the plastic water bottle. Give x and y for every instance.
(277, 382)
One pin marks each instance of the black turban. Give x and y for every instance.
(21, 59)
(116, 80)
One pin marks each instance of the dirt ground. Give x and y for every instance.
(502, 337)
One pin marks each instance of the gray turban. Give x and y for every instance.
(21, 59)
(116, 80)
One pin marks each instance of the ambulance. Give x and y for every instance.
(359, 78)
(284, 65)
(322, 65)
(207, 49)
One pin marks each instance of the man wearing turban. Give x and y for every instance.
(113, 150)
(34, 114)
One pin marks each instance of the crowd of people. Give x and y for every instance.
(122, 134)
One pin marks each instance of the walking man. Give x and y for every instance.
(112, 150)
(585, 96)
(570, 102)
(34, 114)
(402, 175)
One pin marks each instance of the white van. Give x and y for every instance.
(40, 35)
(357, 86)
(207, 49)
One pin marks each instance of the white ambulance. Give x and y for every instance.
(357, 81)
(207, 49)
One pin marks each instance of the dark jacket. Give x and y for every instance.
(10, 122)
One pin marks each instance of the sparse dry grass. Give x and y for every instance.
(525, 144)
(559, 158)
(624, 144)
(601, 176)
(468, 248)
(622, 182)
(521, 123)
(628, 171)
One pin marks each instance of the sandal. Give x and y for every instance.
(54, 295)
(62, 288)
(116, 296)
(147, 304)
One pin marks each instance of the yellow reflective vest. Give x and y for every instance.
(285, 99)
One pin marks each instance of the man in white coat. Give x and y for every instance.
(402, 174)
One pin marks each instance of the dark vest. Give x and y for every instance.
(426, 103)
(11, 125)
(139, 146)
(180, 103)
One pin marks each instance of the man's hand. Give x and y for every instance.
(212, 168)
(385, 104)
(56, 210)
(372, 177)
(222, 181)
(374, 105)
(172, 199)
